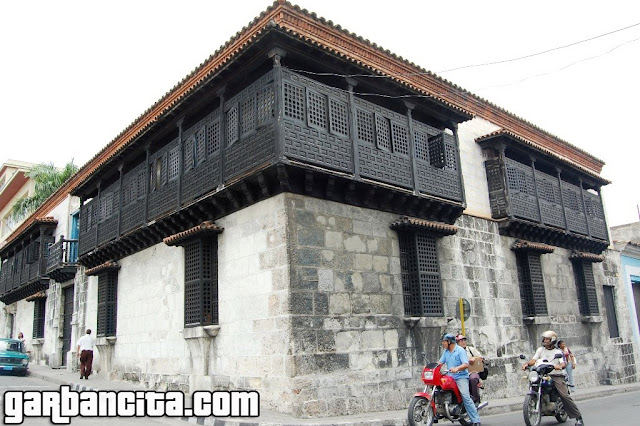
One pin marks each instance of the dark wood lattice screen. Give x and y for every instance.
(107, 303)
(201, 282)
(38, 318)
(534, 302)
(421, 284)
(586, 286)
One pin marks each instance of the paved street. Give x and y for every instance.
(14, 383)
(619, 409)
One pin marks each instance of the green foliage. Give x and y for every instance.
(47, 181)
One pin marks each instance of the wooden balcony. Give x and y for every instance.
(283, 133)
(62, 261)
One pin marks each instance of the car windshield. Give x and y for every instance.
(10, 346)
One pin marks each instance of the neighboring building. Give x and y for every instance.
(263, 226)
(14, 185)
(627, 241)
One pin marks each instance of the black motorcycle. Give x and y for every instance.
(543, 398)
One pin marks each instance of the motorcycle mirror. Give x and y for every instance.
(522, 356)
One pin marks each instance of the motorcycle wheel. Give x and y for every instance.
(465, 420)
(420, 412)
(561, 415)
(532, 416)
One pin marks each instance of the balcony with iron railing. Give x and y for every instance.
(284, 132)
(62, 261)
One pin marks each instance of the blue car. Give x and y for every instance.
(12, 356)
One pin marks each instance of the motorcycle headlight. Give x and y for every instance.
(428, 375)
(534, 376)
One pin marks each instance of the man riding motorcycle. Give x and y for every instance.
(457, 362)
(547, 351)
(474, 356)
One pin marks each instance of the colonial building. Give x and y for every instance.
(270, 224)
(627, 241)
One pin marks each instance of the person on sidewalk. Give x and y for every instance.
(474, 356)
(548, 351)
(457, 362)
(570, 360)
(85, 353)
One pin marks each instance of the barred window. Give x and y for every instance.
(400, 137)
(293, 101)
(532, 295)
(247, 115)
(586, 287)
(213, 135)
(317, 109)
(421, 284)
(265, 100)
(365, 126)
(201, 282)
(437, 151)
(174, 164)
(188, 153)
(200, 146)
(107, 303)
(39, 310)
(422, 145)
(383, 133)
(339, 117)
(232, 125)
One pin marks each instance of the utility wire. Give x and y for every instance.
(540, 53)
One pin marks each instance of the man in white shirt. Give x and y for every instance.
(548, 351)
(85, 353)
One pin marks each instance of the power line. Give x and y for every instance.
(540, 53)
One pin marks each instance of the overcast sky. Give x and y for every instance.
(74, 74)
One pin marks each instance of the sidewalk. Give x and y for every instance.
(271, 418)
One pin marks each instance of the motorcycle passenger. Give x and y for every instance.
(548, 351)
(457, 362)
(474, 356)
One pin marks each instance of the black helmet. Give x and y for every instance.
(451, 338)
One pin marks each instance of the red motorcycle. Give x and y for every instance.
(440, 399)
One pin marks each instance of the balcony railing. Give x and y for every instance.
(62, 262)
(542, 198)
(283, 117)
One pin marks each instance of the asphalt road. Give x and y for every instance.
(617, 409)
(15, 383)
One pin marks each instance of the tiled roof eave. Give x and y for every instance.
(204, 229)
(531, 246)
(48, 221)
(589, 257)
(109, 265)
(440, 228)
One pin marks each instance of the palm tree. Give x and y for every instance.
(47, 179)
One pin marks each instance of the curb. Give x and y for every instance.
(399, 421)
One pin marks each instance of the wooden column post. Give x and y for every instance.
(564, 210)
(535, 187)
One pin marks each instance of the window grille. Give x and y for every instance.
(572, 199)
(200, 146)
(247, 115)
(421, 283)
(265, 100)
(400, 139)
(173, 164)
(188, 153)
(586, 286)
(365, 126)
(232, 125)
(107, 303)
(153, 177)
(106, 205)
(213, 135)
(437, 151)
(293, 101)
(317, 109)
(201, 282)
(532, 295)
(339, 117)
(421, 142)
(383, 133)
(39, 310)
(163, 170)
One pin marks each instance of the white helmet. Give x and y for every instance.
(550, 334)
